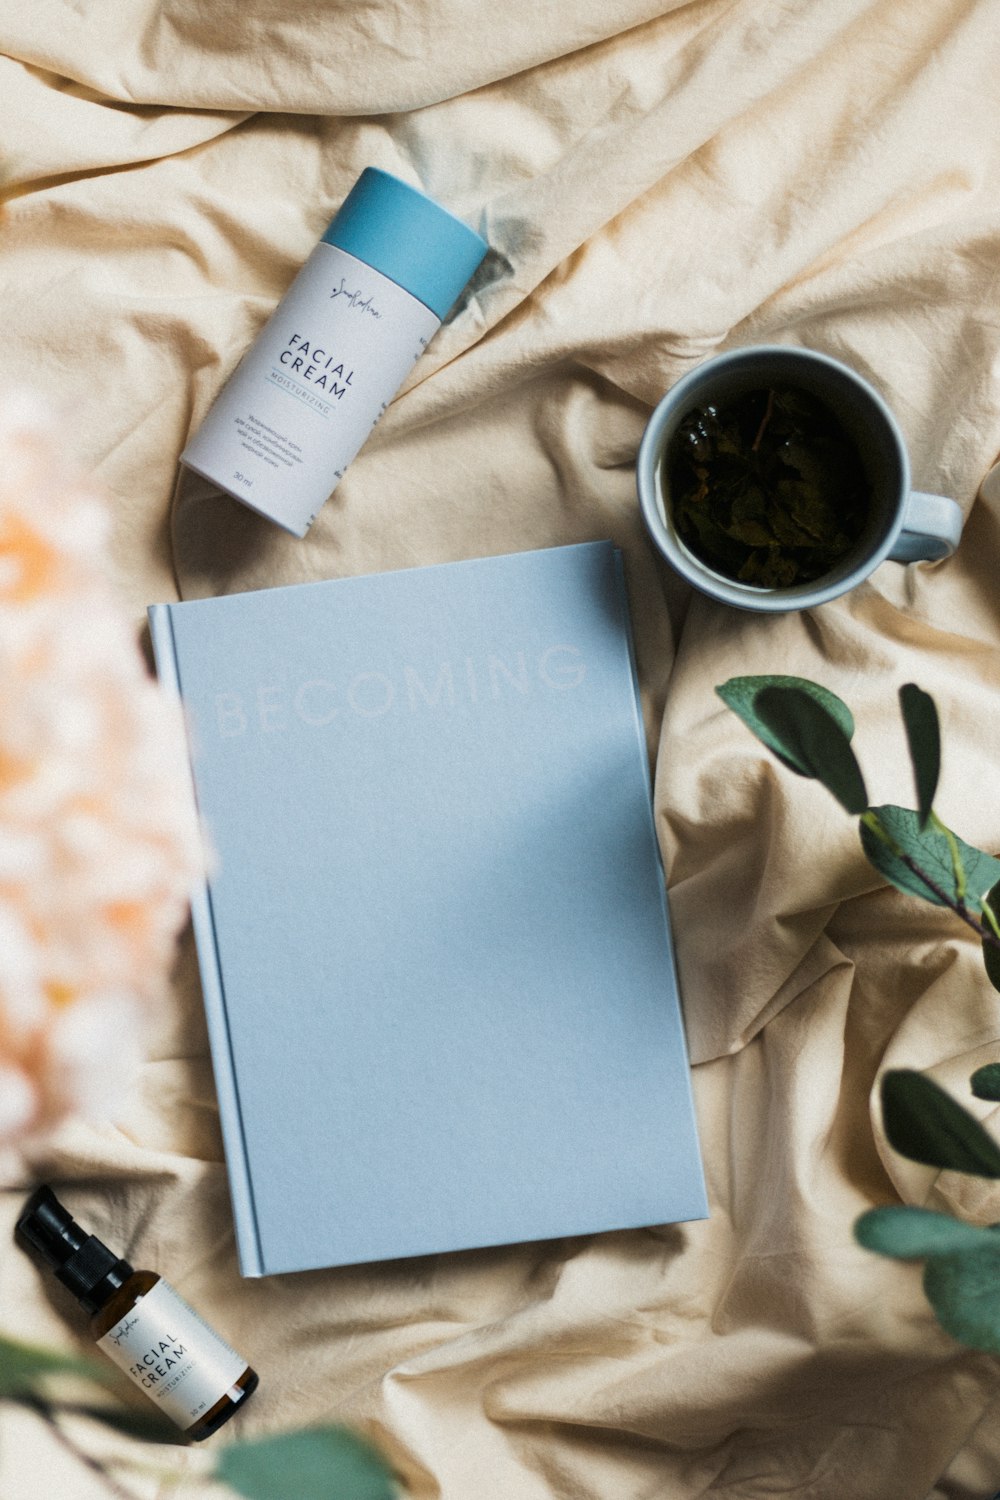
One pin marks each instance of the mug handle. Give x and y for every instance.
(932, 528)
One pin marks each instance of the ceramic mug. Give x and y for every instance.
(903, 525)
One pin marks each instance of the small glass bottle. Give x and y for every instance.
(141, 1323)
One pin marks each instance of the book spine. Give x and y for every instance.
(213, 992)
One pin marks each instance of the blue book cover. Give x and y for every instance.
(435, 948)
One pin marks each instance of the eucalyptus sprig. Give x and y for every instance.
(810, 730)
(313, 1463)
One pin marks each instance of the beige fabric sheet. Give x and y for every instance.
(657, 181)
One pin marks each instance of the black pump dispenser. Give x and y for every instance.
(81, 1261)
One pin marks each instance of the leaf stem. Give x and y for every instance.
(986, 934)
(990, 916)
(958, 869)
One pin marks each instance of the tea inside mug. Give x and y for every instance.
(766, 487)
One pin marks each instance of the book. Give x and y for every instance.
(435, 948)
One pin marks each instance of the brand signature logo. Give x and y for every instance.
(355, 300)
(122, 1330)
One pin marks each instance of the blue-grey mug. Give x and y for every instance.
(902, 525)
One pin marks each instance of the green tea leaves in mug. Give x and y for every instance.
(766, 488)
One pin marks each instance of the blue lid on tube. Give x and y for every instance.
(408, 237)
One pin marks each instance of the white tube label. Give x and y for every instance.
(171, 1354)
(311, 387)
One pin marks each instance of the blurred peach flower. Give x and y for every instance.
(99, 844)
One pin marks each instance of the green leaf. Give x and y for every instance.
(991, 954)
(923, 734)
(739, 694)
(964, 1291)
(986, 1081)
(929, 849)
(927, 1125)
(991, 958)
(22, 1366)
(316, 1463)
(811, 737)
(915, 1233)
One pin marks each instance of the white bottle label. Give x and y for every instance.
(172, 1355)
(311, 387)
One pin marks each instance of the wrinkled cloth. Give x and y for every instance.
(657, 182)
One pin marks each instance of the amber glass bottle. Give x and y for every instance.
(141, 1323)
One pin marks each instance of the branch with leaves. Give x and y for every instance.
(810, 731)
(315, 1463)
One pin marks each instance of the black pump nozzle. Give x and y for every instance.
(81, 1261)
(49, 1227)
